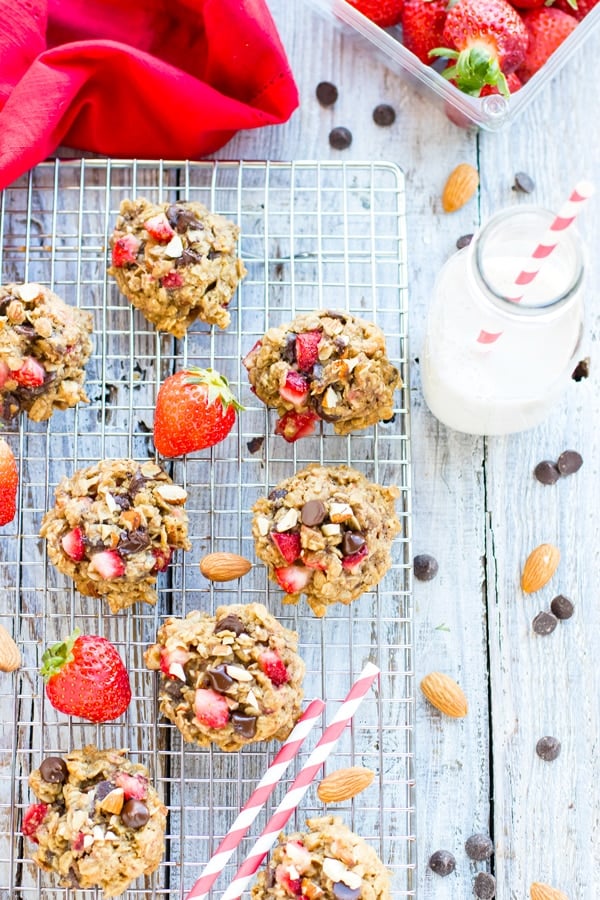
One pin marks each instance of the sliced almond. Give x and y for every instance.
(171, 493)
(344, 784)
(340, 512)
(288, 520)
(10, 657)
(224, 566)
(445, 694)
(461, 185)
(132, 519)
(28, 291)
(150, 470)
(113, 802)
(540, 566)
(262, 525)
(174, 248)
(239, 674)
(541, 891)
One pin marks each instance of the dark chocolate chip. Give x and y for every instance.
(140, 255)
(173, 688)
(569, 462)
(336, 314)
(581, 370)
(270, 879)
(255, 444)
(442, 863)
(317, 371)
(313, 513)
(277, 494)
(133, 541)
(219, 679)
(72, 877)
(327, 93)
(548, 748)
(463, 241)
(181, 219)
(484, 886)
(340, 138)
(134, 814)
(137, 482)
(321, 412)
(210, 287)
(341, 891)
(102, 789)
(288, 353)
(479, 846)
(244, 725)
(562, 607)
(425, 567)
(544, 623)
(384, 115)
(123, 501)
(54, 770)
(10, 407)
(546, 472)
(230, 623)
(352, 542)
(389, 421)
(214, 254)
(524, 183)
(26, 331)
(188, 258)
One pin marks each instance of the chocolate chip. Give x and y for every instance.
(313, 513)
(548, 748)
(463, 241)
(484, 886)
(544, 623)
(384, 115)
(581, 370)
(11, 407)
(479, 846)
(181, 218)
(340, 138)
(219, 679)
(270, 879)
(524, 183)
(341, 891)
(214, 254)
(546, 472)
(243, 725)
(562, 607)
(255, 444)
(26, 331)
(352, 541)
(173, 688)
(137, 482)
(569, 462)
(442, 863)
(210, 287)
(123, 501)
(336, 314)
(54, 770)
(188, 258)
(425, 567)
(277, 494)
(288, 353)
(327, 93)
(230, 623)
(102, 789)
(134, 814)
(133, 541)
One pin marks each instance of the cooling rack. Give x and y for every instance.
(312, 235)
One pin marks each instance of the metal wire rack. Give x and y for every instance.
(313, 235)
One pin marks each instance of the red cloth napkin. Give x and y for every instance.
(172, 79)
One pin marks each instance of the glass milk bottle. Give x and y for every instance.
(497, 356)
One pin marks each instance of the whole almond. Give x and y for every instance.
(224, 566)
(10, 657)
(344, 784)
(460, 187)
(540, 566)
(445, 694)
(541, 891)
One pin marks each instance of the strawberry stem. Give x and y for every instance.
(218, 386)
(58, 656)
(473, 69)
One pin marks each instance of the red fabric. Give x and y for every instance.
(172, 79)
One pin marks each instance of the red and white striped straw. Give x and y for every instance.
(302, 782)
(256, 800)
(580, 194)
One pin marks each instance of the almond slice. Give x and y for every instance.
(344, 784)
(445, 694)
(540, 566)
(113, 802)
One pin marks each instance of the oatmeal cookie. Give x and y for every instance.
(324, 365)
(326, 532)
(44, 346)
(176, 262)
(328, 860)
(114, 527)
(98, 822)
(230, 679)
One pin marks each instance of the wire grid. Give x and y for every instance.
(312, 235)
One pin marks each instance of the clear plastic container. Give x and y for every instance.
(492, 112)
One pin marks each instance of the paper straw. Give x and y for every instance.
(301, 783)
(580, 194)
(256, 800)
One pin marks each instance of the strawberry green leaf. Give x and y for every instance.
(217, 385)
(58, 655)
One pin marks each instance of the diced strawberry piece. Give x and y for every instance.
(294, 425)
(32, 820)
(174, 657)
(172, 279)
(4, 373)
(298, 856)
(158, 227)
(314, 561)
(72, 544)
(251, 354)
(288, 544)
(77, 842)
(295, 389)
(125, 250)
(272, 665)
(307, 349)
(163, 558)
(283, 877)
(293, 579)
(211, 708)
(135, 787)
(108, 564)
(355, 559)
(31, 373)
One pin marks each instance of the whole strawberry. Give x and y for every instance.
(195, 409)
(577, 8)
(423, 26)
(9, 482)
(548, 28)
(383, 12)
(85, 677)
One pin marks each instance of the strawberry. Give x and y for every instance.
(33, 818)
(489, 39)
(4, 373)
(294, 425)
(124, 250)
(9, 482)
(73, 545)
(108, 564)
(423, 26)
(211, 708)
(383, 12)
(30, 374)
(272, 665)
(172, 280)
(577, 8)
(158, 228)
(77, 844)
(249, 357)
(547, 28)
(163, 558)
(295, 389)
(355, 559)
(172, 662)
(195, 409)
(307, 349)
(288, 544)
(284, 878)
(85, 677)
(134, 787)
(293, 579)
